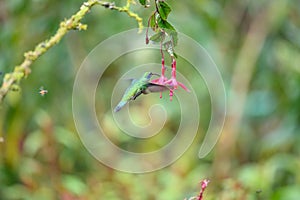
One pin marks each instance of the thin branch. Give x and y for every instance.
(73, 23)
(130, 14)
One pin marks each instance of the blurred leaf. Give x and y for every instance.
(42, 117)
(17, 191)
(45, 193)
(252, 177)
(66, 137)
(30, 167)
(33, 142)
(288, 192)
(74, 184)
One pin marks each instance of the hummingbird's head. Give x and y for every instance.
(148, 75)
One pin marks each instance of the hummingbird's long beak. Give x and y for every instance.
(155, 74)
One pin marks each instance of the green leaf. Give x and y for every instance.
(143, 2)
(158, 37)
(152, 22)
(164, 24)
(169, 29)
(174, 36)
(163, 10)
(175, 55)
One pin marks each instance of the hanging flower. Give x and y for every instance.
(171, 83)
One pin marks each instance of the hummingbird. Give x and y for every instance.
(138, 87)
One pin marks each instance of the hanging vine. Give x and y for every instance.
(167, 36)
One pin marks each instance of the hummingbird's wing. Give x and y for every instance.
(150, 87)
(153, 87)
(137, 94)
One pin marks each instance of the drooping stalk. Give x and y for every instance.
(167, 36)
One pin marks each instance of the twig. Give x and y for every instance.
(73, 23)
(204, 185)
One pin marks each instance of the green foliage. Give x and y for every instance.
(165, 34)
(144, 2)
(163, 10)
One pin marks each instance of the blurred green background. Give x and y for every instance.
(256, 45)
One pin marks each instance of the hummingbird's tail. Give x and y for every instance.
(119, 106)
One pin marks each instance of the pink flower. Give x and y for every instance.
(171, 83)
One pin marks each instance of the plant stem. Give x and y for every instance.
(73, 23)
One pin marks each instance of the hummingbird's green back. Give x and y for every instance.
(136, 87)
